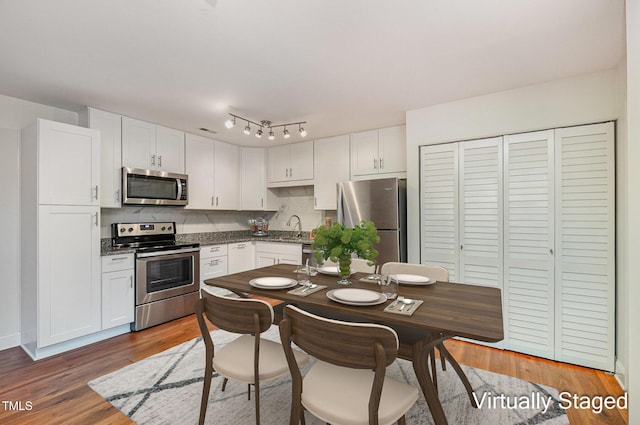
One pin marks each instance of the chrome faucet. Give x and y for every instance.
(299, 224)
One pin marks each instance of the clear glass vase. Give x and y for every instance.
(344, 270)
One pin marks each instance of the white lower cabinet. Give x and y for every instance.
(118, 297)
(213, 263)
(270, 253)
(241, 257)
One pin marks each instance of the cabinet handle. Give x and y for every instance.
(118, 258)
(381, 163)
(315, 201)
(290, 172)
(216, 201)
(159, 160)
(153, 160)
(375, 163)
(240, 246)
(117, 195)
(262, 202)
(96, 189)
(551, 251)
(131, 282)
(286, 172)
(96, 219)
(461, 246)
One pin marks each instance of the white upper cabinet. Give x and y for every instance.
(213, 168)
(331, 166)
(290, 165)
(110, 127)
(199, 167)
(152, 147)
(68, 163)
(226, 180)
(381, 151)
(253, 191)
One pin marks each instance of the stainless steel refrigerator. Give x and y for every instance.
(384, 202)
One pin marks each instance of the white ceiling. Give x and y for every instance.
(340, 65)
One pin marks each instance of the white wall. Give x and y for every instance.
(14, 115)
(631, 227)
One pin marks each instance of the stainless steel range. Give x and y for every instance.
(167, 273)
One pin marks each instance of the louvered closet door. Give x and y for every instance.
(585, 228)
(439, 207)
(528, 243)
(480, 166)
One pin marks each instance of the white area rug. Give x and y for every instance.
(166, 389)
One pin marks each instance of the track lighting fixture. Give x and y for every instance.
(231, 122)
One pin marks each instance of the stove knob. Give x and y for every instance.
(122, 229)
(169, 228)
(163, 228)
(130, 229)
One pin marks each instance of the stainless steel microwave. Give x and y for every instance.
(150, 187)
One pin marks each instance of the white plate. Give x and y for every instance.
(381, 298)
(331, 270)
(273, 282)
(412, 279)
(356, 295)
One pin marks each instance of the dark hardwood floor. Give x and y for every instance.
(57, 389)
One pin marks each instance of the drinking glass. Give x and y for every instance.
(388, 286)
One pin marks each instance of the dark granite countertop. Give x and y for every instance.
(214, 238)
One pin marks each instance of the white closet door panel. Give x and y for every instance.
(528, 243)
(480, 208)
(585, 227)
(439, 207)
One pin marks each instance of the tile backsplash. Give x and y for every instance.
(292, 200)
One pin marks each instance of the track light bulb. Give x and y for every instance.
(271, 135)
(259, 133)
(302, 131)
(230, 122)
(247, 129)
(286, 133)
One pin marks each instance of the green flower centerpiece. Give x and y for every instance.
(339, 244)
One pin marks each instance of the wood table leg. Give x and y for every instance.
(465, 381)
(420, 361)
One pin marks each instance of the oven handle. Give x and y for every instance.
(161, 253)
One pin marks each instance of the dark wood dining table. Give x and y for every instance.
(448, 310)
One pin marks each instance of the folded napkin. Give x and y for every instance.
(303, 291)
(394, 307)
(368, 278)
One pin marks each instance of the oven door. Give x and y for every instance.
(166, 274)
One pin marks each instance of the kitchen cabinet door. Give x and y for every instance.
(69, 164)
(199, 166)
(253, 179)
(301, 161)
(278, 164)
(110, 127)
(226, 171)
(331, 166)
(392, 149)
(118, 299)
(169, 150)
(68, 263)
(138, 144)
(364, 153)
(241, 257)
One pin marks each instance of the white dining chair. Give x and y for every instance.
(249, 358)
(347, 383)
(438, 273)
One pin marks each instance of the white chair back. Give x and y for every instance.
(435, 272)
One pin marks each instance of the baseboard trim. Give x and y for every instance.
(9, 341)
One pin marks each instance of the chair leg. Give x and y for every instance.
(443, 360)
(208, 373)
(434, 374)
(248, 391)
(257, 404)
(224, 383)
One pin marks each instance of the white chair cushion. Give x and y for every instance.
(339, 395)
(235, 360)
